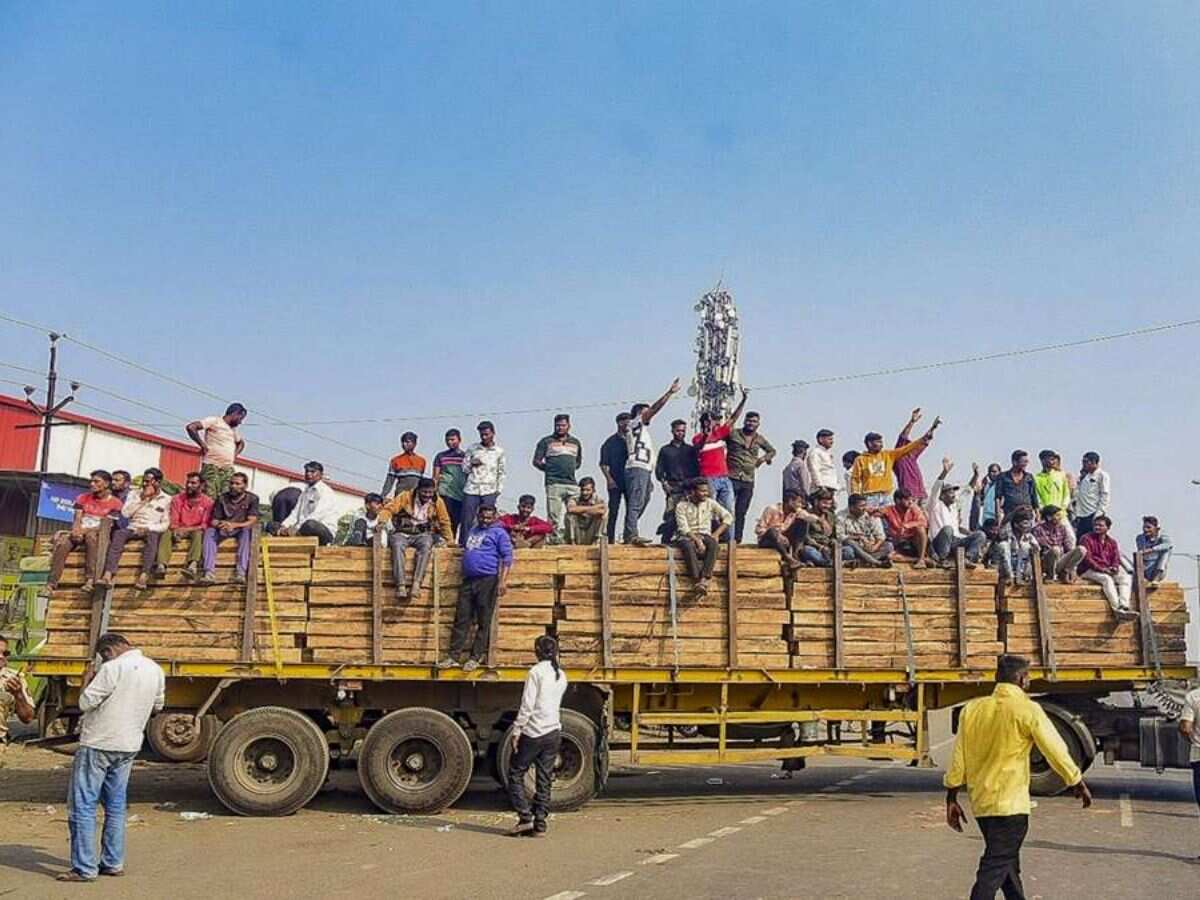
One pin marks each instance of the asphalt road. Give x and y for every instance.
(838, 829)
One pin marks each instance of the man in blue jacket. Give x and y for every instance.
(487, 560)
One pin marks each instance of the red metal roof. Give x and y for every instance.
(16, 451)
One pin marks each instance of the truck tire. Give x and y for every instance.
(576, 776)
(1043, 780)
(173, 736)
(415, 760)
(268, 761)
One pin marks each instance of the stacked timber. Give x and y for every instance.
(618, 607)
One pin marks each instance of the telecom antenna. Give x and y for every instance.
(718, 347)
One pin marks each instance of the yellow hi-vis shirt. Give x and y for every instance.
(991, 755)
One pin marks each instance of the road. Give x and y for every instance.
(838, 829)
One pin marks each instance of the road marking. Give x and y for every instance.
(695, 843)
(567, 895)
(610, 879)
(724, 832)
(1126, 811)
(657, 859)
(753, 820)
(775, 811)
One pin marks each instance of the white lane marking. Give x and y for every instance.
(1126, 811)
(659, 858)
(695, 843)
(753, 820)
(610, 879)
(775, 811)
(724, 832)
(567, 895)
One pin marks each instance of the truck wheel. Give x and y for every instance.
(175, 737)
(268, 761)
(415, 760)
(575, 775)
(1043, 780)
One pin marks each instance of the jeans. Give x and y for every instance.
(1000, 865)
(557, 497)
(476, 601)
(1082, 526)
(1012, 562)
(470, 512)
(541, 753)
(213, 537)
(98, 776)
(422, 545)
(1196, 782)
(1117, 588)
(454, 507)
(120, 537)
(853, 551)
(691, 558)
(638, 485)
(946, 542)
(819, 557)
(743, 493)
(1156, 564)
(615, 494)
(722, 491)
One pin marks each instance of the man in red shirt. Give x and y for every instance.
(405, 469)
(91, 509)
(907, 526)
(710, 454)
(1102, 565)
(191, 514)
(524, 528)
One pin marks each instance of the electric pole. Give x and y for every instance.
(48, 411)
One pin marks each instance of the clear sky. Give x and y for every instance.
(407, 210)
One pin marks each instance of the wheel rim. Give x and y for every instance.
(415, 763)
(179, 731)
(266, 765)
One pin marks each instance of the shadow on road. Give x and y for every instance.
(31, 859)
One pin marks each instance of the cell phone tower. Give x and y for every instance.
(718, 348)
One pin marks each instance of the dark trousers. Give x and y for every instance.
(313, 528)
(692, 559)
(787, 544)
(283, 503)
(743, 493)
(1082, 525)
(454, 507)
(1196, 781)
(540, 752)
(120, 537)
(1000, 865)
(470, 512)
(476, 600)
(615, 495)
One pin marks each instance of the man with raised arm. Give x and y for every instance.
(711, 453)
(871, 473)
(946, 533)
(220, 445)
(639, 466)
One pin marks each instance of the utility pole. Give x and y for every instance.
(48, 411)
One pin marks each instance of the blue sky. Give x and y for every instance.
(346, 211)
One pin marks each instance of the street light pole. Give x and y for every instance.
(48, 411)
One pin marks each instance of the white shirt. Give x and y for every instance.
(1191, 713)
(153, 514)
(117, 703)
(941, 515)
(823, 469)
(640, 445)
(540, 701)
(487, 477)
(221, 440)
(1092, 494)
(317, 502)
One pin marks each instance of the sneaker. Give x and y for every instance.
(401, 592)
(538, 832)
(106, 580)
(73, 875)
(188, 572)
(448, 663)
(239, 578)
(158, 570)
(111, 873)
(88, 586)
(702, 587)
(206, 579)
(470, 665)
(143, 582)
(1125, 614)
(522, 827)
(640, 541)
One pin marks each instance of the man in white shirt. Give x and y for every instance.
(116, 704)
(823, 468)
(220, 446)
(485, 467)
(1189, 729)
(315, 513)
(639, 464)
(1093, 493)
(946, 533)
(147, 515)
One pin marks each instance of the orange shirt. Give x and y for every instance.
(407, 464)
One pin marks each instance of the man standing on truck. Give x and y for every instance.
(991, 759)
(746, 450)
(614, 453)
(485, 466)
(220, 446)
(639, 465)
(487, 560)
(557, 456)
(872, 473)
(116, 704)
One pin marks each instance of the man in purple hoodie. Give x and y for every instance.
(487, 560)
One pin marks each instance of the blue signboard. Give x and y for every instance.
(57, 501)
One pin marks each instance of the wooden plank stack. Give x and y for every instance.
(325, 614)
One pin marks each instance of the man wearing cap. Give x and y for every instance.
(315, 513)
(946, 533)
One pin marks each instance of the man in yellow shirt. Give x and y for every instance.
(872, 472)
(991, 758)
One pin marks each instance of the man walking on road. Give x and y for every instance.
(116, 705)
(991, 759)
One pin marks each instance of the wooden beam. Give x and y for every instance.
(437, 605)
(1045, 628)
(606, 603)
(731, 605)
(960, 596)
(839, 608)
(377, 597)
(101, 596)
(248, 611)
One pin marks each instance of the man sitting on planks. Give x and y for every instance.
(234, 515)
(487, 560)
(585, 514)
(92, 507)
(782, 527)
(191, 514)
(367, 521)
(147, 516)
(315, 513)
(524, 528)
(419, 519)
(694, 517)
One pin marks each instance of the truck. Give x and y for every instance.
(315, 662)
